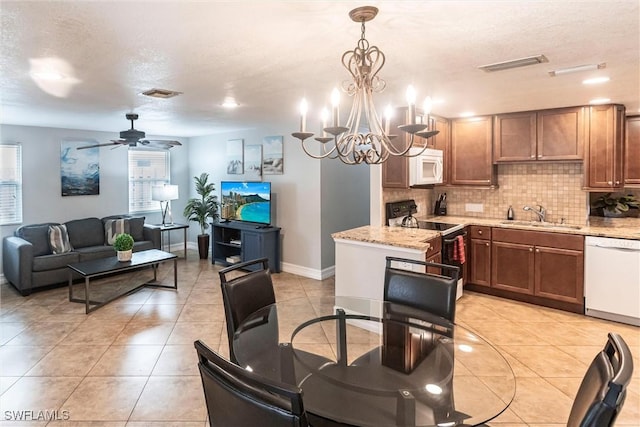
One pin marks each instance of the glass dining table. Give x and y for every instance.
(363, 362)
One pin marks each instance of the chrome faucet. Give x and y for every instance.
(541, 212)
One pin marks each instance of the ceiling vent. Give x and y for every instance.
(161, 93)
(514, 63)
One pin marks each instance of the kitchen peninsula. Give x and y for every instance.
(361, 253)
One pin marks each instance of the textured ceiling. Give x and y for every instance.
(269, 54)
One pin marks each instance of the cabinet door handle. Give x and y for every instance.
(486, 244)
(530, 249)
(617, 182)
(479, 231)
(539, 157)
(537, 250)
(609, 182)
(533, 156)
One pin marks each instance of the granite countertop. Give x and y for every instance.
(623, 228)
(411, 238)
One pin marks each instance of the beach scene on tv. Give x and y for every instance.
(246, 201)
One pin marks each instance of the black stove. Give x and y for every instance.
(440, 226)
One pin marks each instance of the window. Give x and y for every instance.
(146, 169)
(10, 184)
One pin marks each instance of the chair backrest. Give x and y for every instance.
(429, 292)
(244, 293)
(236, 397)
(604, 386)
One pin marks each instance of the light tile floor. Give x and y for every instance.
(132, 362)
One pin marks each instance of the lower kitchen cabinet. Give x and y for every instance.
(480, 255)
(434, 254)
(537, 267)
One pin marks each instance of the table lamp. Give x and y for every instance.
(164, 194)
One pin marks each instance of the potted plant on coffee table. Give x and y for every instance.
(123, 244)
(202, 209)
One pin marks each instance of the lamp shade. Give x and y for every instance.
(162, 193)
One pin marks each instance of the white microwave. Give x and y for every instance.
(425, 168)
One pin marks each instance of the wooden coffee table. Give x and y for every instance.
(109, 266)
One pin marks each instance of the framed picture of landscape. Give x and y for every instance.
(79, 169)
(235, 157)
(272, 157)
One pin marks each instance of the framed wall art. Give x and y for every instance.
(253, 161)
(235, 157)
(272, 157)
(79, 169)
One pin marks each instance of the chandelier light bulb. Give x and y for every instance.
(427, 105)
(303, 115)
(411, 100)
(388, 114)
(324, 116)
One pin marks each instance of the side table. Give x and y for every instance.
(168, 228)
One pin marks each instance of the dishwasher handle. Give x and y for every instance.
(616, 248)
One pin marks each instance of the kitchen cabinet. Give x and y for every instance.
(604, 160)
(545, 135)
(395, 171)
(442, 141)
(632, 153)
(471, 152)
(434, 254)
(480, 255)
(548, 267)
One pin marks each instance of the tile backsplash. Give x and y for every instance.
(556, 186)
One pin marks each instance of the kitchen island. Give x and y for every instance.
(361, 253)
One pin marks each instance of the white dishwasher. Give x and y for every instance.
(612, 279)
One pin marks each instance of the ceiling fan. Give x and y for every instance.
(133, 137)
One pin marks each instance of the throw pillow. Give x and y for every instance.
(59, 239)
(137, 228)
(113, 227)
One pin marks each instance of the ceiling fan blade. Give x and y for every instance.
(99, 145)
(162, 143)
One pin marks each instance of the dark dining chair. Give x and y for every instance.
(244, 292)
(433, 293)
(604, 386)
(236, 397)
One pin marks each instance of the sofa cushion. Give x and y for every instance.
(113, 227)
(136, 227)
(59, 239)
(95, 252)
(38, 236)
(85, 232)
(51, 262)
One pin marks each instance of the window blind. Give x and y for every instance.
(146, 169)
(10, 184)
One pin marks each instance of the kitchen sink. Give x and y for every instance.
(542, 224)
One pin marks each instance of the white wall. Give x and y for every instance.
(311, 201)
(41, 191)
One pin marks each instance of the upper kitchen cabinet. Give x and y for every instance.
(395, 171)
(546, 135)
(604, 157)
(632, 150)
(471, 147)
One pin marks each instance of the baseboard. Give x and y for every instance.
(311, 273)
(3, 280)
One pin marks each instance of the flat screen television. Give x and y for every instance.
(246, 201)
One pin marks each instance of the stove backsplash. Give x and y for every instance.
(556, 186)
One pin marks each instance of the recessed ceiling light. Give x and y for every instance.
(230, 103)
(467, 114)
(577, 69)
(514, 63)
(596, 80)
(600, 101)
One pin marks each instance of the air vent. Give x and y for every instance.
(161, 93)
(577, 69)
(514, 63)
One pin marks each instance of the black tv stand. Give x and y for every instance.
(233, 242)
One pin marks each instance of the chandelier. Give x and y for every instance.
(349, 143)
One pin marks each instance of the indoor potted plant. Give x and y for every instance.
(201, 209)
(123, 244)
(615, 206)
